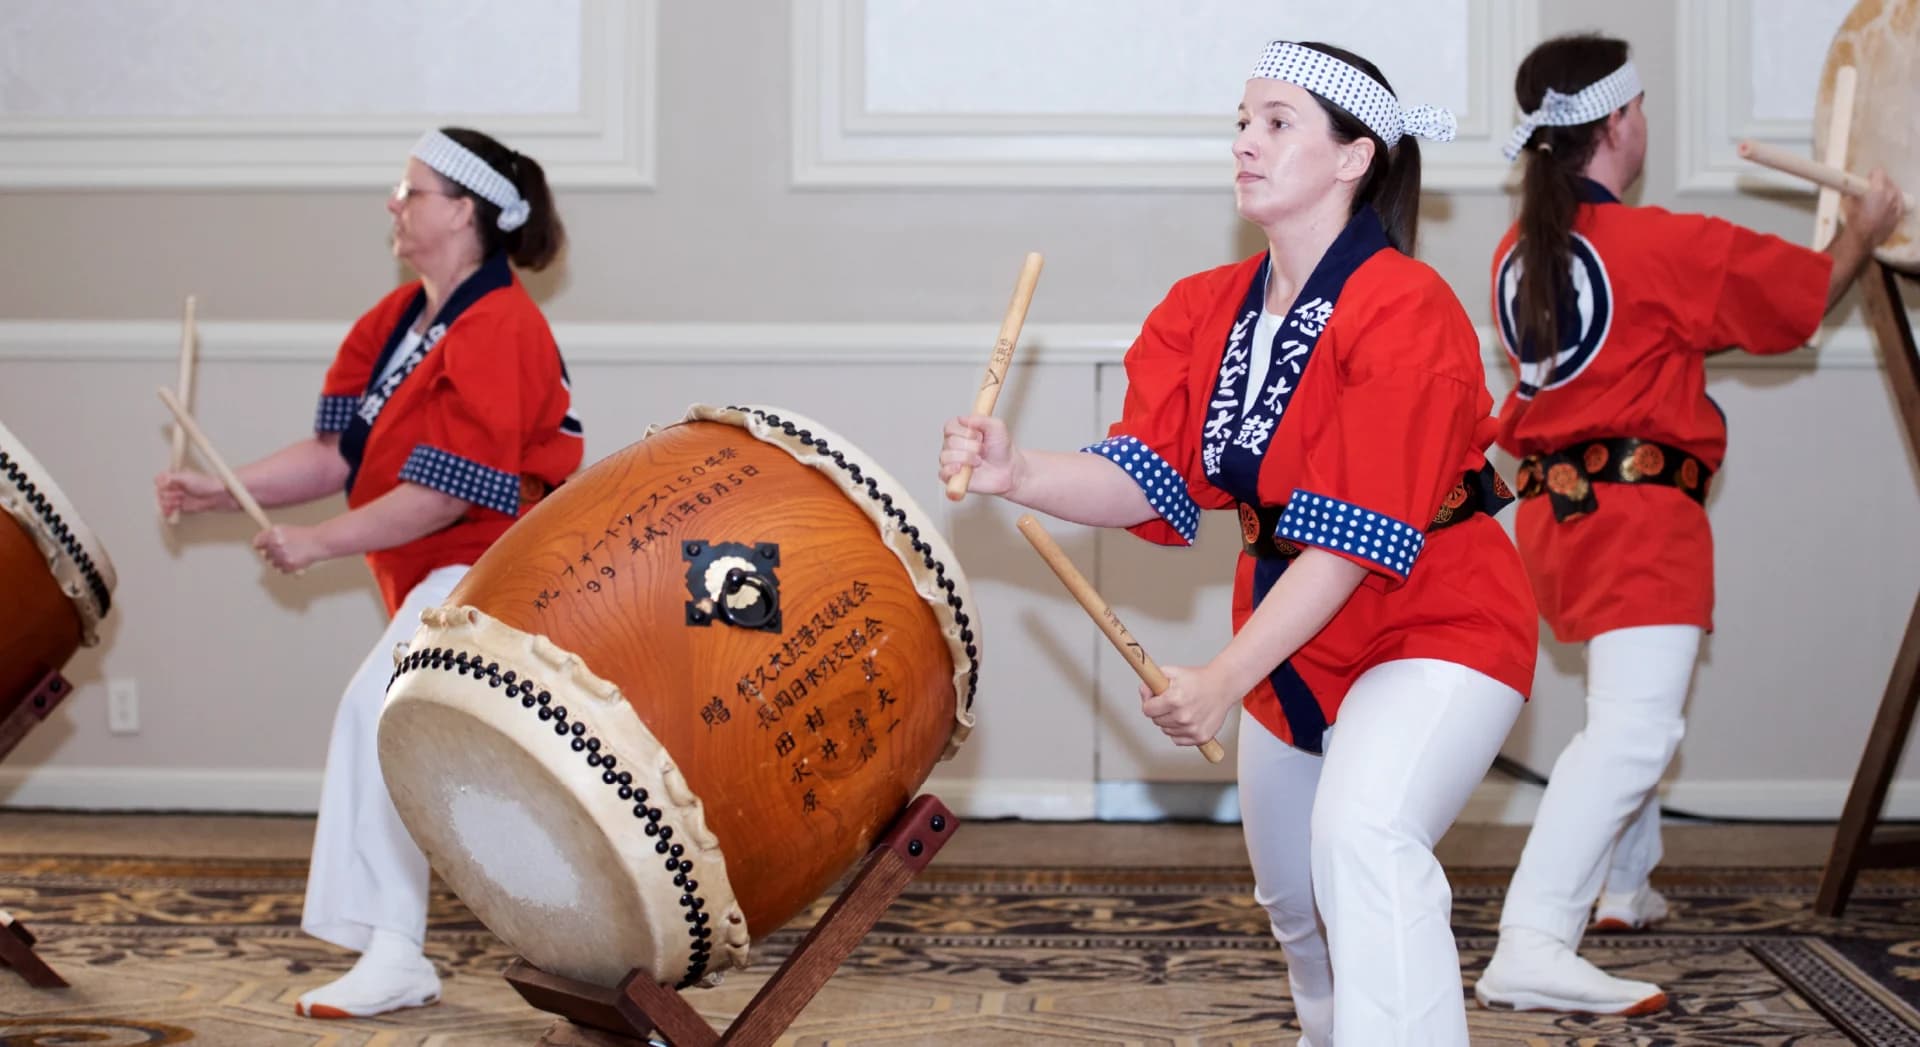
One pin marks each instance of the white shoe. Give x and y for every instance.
(1532, 971)
(392, 974)
(1629, 912)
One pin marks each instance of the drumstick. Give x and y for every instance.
(1103, 616)
(1002, 356)
(205, 446)
(1826, 215)
(1801, 167)
(188, 336)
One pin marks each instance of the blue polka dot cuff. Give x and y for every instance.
(463, 478)
(1315, 519)
(1165, 489)
(334, 414)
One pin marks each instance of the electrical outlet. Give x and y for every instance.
(123, 707)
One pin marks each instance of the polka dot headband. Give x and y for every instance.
(1347, 87)
(1590, 103)
(460, 164)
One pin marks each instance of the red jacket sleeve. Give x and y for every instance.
(1407, 418)
(353, 364)
(1155, 440)
(477, 423)
(1757, 291)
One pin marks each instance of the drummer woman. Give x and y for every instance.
(1331, 386)
(445, 415)
(1618, 440)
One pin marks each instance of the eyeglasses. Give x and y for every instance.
(402, 191)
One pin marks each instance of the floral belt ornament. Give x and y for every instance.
(1567, 476)
(1480, 491)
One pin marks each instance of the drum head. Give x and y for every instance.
(1881, 40)
(516, 843)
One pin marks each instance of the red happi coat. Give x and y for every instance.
(1387, 414)
(485, 407)
(1654, 293)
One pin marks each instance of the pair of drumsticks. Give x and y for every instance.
(185, 428)
(1043, 543)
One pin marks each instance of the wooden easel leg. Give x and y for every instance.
(1854, 845)
(16, 942)
(624, 1016)
(16, 951)
(50, 691)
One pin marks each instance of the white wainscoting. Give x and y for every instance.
(1748, 69)
(238, 669)
(1114, 93)
(196, 94)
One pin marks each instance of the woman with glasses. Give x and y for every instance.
(444, 417)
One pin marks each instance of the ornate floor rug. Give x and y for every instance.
(210, 953)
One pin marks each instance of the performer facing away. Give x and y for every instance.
(1331, 388)
(444, 416)
(1618, 441)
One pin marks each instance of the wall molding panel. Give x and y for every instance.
(730, 344)
(607, 141)
(1719, 43)
(843, 138)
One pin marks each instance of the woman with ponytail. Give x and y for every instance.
(444, 417)
(1330, 388)
(1608, 313)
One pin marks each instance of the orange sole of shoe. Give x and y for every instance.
(326, 1013)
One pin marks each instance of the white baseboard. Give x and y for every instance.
(1493, 802)
(298, 792)
(148, 789)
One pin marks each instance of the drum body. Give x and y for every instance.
(681, 697)
(57, 580)
(1881, 40)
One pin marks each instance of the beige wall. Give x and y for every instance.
(868, 309)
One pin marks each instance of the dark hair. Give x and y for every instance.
(1550, 188)
(1392, 182)
(536, 243)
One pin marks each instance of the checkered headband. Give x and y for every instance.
(1590, 103)
(459, 163)
(1354, 91)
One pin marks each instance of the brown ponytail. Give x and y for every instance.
(1392, 182)
(536, 243)
(1556, 158)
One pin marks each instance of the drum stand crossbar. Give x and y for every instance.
(1857, 845)
(16, 942)
(597, 1016)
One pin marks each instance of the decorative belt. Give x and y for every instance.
(1480, 491)
(1567, 476)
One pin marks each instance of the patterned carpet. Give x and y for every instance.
(209, 953)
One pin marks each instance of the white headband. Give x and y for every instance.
(1590, 103)
(1347, 87)
(459, 163)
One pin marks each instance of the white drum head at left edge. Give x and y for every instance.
(519, 848)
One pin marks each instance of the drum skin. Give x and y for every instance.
(39, 627)
(56, 578)
(793, 742)
(1881, 40)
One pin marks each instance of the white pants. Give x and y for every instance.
(1599, 821)
(366, 870)
(1342, 850)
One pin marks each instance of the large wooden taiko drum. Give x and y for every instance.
(1881, 40)
(56, 583)
(681, 697)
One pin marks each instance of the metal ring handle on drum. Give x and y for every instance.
(762, 613)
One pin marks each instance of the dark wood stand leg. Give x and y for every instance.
(596, 1016)
(16, 951)
(16, 942)
(1858, 844)
(50, 691)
